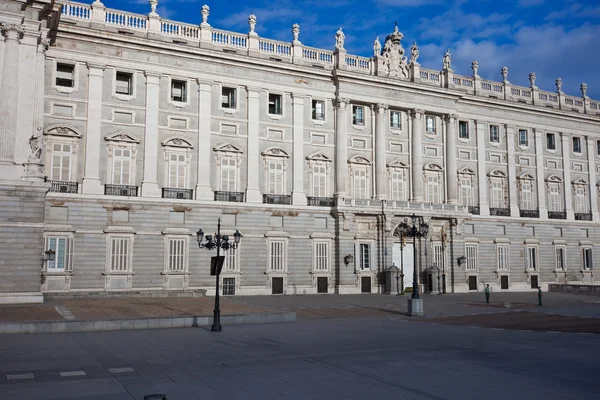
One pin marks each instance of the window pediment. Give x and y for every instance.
(554, 179)
(497, 174)
(397, 163)
(526, 176)
(433, 167)
(359, 160)
(62, 130)
(228, 147)
(319, 156)
(275, 152)
(466, 171)
(178, 142)
(579, 181)
(122, 136)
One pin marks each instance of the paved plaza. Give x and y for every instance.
(382, 355)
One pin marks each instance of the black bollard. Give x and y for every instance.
(539, 296)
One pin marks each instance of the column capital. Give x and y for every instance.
(12, 31)
(451, 118)
(564, 136)
(341, 102)
(253, 89)
(381, 108)
(417, 113)
(152, 73)
(298, 98)
(96, 67)
(43, 45)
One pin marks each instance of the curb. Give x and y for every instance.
(141, 323)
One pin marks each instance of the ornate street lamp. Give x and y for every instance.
(444, 238)
(402, 244)
(219, 242)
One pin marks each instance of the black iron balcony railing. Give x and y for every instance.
(583, 216)
(121, 190)
(63, 186)
(474, 210)
(557, 214)
(321, 201)
(277, 199)
(529, 213)
(237, 197)
(173, 193)
(500, 212)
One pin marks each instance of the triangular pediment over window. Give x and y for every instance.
(229, 147)
(554, 178)
(397, 163)
(178, 142)
(497, 174)
(359, 160)
(466, 171)
(579, 181)
(318, 156)
(62, 130)
(433, 167)
(526, 176)
(122, 136)
(275, 152)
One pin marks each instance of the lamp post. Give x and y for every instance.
(444, 237)
(219, 242)
(418, 229)
(402, 244)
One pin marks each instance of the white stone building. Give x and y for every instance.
(122, 134)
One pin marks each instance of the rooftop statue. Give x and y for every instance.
(447, 60)
(339, 39)
(376, 47)
(414, 53)
(395, 63)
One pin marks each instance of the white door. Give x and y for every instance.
(408, 265)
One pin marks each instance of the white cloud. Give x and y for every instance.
(530, 3)
(408, 3)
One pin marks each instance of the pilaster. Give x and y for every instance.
(203, 174)
(512, 171)
(592, 191)
(539, 169)
(380, 154)
(91, 178)
(484, 207)
(298, 195)
(415, 72)
(451, 167)
(253, 194)
(341, 148)
(417, 155)
(150, 182)
(566, 152)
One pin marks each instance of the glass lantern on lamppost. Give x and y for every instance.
(219, 242)
(444, 239)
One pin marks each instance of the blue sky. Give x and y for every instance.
(549, 37)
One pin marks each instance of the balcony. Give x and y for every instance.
(529, 213)
(500, 212)
(321, 201)
(63, 187)
(180, 194)
(557, 214)
(121, 190)
(277, 199)
(236, 197)
(583, 216)
(474, 210)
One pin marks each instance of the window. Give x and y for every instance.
(550, 141)
(275, 177)
(580, 199)
(275, 104)
(120, 254)
(177, 171)
(360, 183)
(178, 91)
(494, 134)
(523, 140)
(532, 258)
(121, 167)
(124, 83)
(398, 191)
(176, 255)
(277, 255)
(497, 193)
(63, 256)
(577, 145)
(228, 174)
(471, 255)
(61, 162)
(228, 286)
(466, 191)
(430, 124)
(65, 75)
(321, 256)
(318, 110)
(438, 256)
(463, 129)
(598, 147)
(228, 98)
(502, 257)
(365, 256)
(526, 195)
(395, 121)
(433, 188)
(588, 263)
(230, 260)
(358, 117)
(554, 197)
(319, 180)
(560, 259)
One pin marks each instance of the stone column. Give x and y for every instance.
(341, 148)
(592, 172)
(8, 100)
(203, 146)
(253, 194)
(566, 152)
(417, 155)
(380, 156)
(484, 207)
(298, 195)
(91, 178)
(539, 169)
(150, 182)
(451, 168)
(513, 198)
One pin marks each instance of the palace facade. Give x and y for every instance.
(121, 135)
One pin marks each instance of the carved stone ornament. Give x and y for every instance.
(583, 88)
(394, 61)
(122, 136)
(504, 72)
(341, 102)
(376, 47)
(252, 22)
(36, 143)
(532, 79)
(12, 31)
(475, 67)
(177, 142)
(153, 4)
(414, 53)
(558, 83)
(295, 32)
(339, 39)
(205, 13)
(62, 130)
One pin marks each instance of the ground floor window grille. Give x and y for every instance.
(228, 286)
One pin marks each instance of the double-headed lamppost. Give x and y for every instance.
(444, 238)
(219, 242)
(418, 229)
(402, 244)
